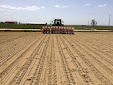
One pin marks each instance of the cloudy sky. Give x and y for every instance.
(73, 12)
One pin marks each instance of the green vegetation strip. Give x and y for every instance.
(87, 27)
(20, 30)
(20, 26)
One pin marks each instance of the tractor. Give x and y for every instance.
(57, 28)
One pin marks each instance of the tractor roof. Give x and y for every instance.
(57, 19)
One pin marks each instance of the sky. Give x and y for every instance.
(72, 12)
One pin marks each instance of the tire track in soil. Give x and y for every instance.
(49, 64)
(44, 78)
(54, 74)
(51, 67)
(26, 80)
(97, 73)
(83, 74)
(68, 74)
(6, 73)
(49, 73)
(61, 79)
(36, 77)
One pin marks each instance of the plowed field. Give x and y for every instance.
(28, 58)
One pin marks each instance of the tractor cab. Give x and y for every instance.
(57, 22)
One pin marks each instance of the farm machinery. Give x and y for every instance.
(57, 28)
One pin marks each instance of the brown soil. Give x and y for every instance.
(85, 58)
